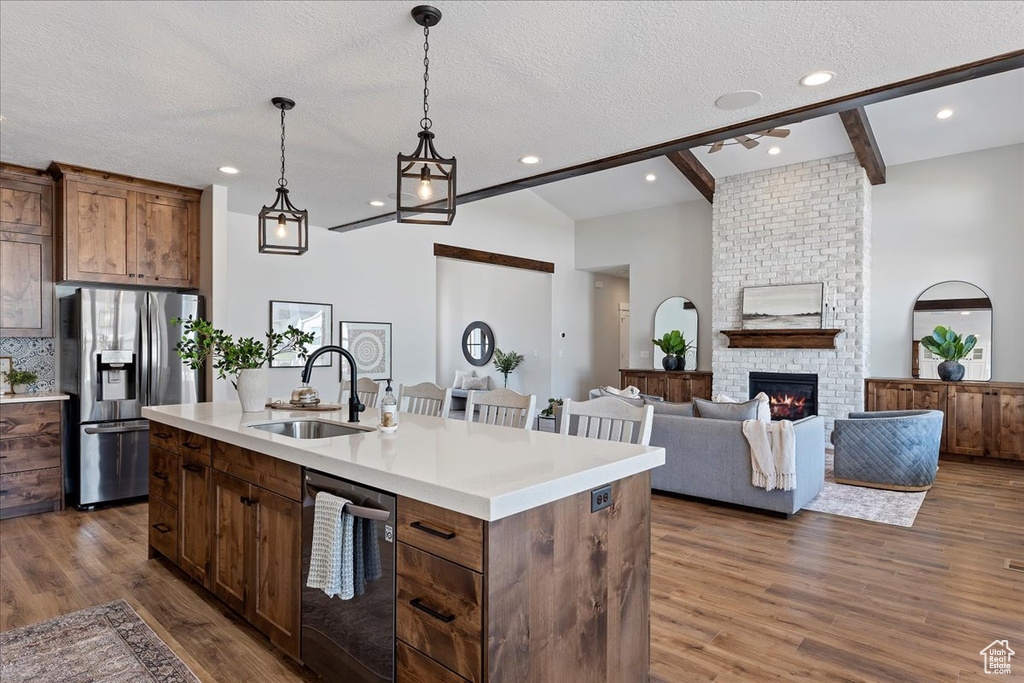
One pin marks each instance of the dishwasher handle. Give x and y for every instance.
(377, 514)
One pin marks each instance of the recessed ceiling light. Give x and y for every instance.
(650, 177)
(944, 113)
(738, 100)
(817, 78)
(530, 159)
(2, 118)
(228, 170)
(774, 150)
(965, 312)
(376, 202)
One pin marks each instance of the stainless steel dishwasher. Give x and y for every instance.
(351, 641)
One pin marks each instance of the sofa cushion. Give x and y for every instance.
(726, 411)
(662, 407)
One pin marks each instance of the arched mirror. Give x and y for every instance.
(676, 313)
(478, 343)
(963, 308)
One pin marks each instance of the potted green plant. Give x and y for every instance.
(241, 360)
(506, 363)
(550, 410)
(675, 347)
(20, 380)
(951, 347)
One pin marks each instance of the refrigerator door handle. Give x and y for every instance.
(144, 371)
(123, 428)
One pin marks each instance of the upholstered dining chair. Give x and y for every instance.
(425, 398)
(369, 391)
(607, 418)
(502, 407)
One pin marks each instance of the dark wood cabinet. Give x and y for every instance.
(677, 387)
(274, 562)
(230, 523)
(26, 252)
(117, 229)
(31, 475)
(982, 419)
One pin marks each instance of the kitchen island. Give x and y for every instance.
(509, 566)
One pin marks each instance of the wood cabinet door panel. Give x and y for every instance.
(1009, 424)
(416, 667)
(677, 389)
(635, 379)
(29, 453)
(163, 475)
(163, 529)
(279, 476)
(26, 207)
(656, 385)
(26, 285)
(230, 535)
(168, 240)
(275, 571)
(100, 233)
(30, 488)
(928, 397)
(965, 432)
(883, 396)
(194, 541)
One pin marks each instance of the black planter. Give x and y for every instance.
(681, 363)
(951, 371)
(670, 363)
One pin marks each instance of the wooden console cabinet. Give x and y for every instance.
(26, 252)
(677, 387)
(31, 476)
(982, 419)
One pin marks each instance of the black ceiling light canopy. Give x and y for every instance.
(426, 180)
(283, 228)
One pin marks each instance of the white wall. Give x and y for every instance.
(515, 303)
(953, 218)
(387, 273)
(605, 331)
(668, 251)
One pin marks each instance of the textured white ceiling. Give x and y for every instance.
(172, 90)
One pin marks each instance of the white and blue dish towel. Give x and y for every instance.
(330, 564)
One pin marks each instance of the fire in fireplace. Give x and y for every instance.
(791, 396)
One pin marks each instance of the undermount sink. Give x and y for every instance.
(310, 429)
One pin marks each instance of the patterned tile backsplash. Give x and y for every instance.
(35, 354)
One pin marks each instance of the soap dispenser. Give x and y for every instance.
(388, 410)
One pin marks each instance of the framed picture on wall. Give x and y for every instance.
(370, 345)
(783, 307)
(316, 319)
(6, 365)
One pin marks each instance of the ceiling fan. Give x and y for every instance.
(749, 141)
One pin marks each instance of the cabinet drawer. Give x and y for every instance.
(163, 529)
(163, 436)
(194, 447)
(451, 535)
(270, 473)
(439, 610)
(30, 419)
(29, 453)
(415, 667)
(163, 475)
(30, 488)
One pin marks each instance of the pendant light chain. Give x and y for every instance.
(426, 123)
(282, 182)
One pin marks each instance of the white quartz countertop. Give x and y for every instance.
(480, 470)
(32, 397)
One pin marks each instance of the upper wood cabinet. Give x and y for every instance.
(121, 230)
(26, 252)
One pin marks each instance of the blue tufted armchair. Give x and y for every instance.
(897, 450)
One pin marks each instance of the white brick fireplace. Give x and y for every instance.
(807, 222)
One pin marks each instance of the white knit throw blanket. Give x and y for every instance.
(772, 454)
(330, 564)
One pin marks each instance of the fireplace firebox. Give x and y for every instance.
(791, 396)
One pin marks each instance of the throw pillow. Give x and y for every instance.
(764, 409)
(725, 411)
(666, 408)
(475, 384)
(460, 378)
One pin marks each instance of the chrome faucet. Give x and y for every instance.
(354, 406)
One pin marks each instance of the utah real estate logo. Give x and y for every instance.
(997, 657)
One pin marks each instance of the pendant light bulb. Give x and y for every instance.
(282, 226)
(425, 190)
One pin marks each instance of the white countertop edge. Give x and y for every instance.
(489, 509)
(32, 398)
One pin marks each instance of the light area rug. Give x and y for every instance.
(103, 644)
(898, 508)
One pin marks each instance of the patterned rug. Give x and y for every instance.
(108, 643)
(898, 508)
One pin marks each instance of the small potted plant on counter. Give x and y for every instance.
(241, 360)
(950, 347)
(506, 363)
(675, 347)
(20, 380)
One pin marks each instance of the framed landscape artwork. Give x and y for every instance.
(316, 319)
(370, 345)
(783, 307)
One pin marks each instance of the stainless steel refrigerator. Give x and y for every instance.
(117, 355)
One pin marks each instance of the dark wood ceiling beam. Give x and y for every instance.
(858, 128)
(694, 171)
(938, 79)
(492, 258)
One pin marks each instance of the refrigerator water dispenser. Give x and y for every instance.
(116, 370)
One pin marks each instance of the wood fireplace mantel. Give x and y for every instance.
(782, 339)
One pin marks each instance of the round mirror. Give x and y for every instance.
(676, 313)
(478, 343)
(963, 308)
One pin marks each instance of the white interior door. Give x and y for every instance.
(623, 335)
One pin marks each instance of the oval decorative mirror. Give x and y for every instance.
(676, 313)
(478, 343)
(966, 310)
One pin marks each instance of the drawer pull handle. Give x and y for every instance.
(161, 527)
(191, 446)
(245, 500)
(191, 467)
(161, 435)
(420, 526)
(160, 475)
(4, 492)
(440, 616)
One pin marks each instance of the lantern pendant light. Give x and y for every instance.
(426, 180)
(283, 228)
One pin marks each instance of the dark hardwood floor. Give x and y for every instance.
(736, 596)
